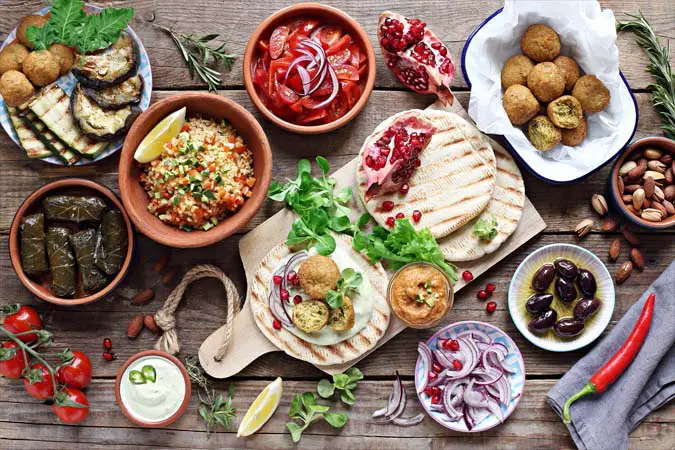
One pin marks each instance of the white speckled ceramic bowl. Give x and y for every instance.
(520, 290)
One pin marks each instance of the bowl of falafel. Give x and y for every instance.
(565, 109)
(64, 105)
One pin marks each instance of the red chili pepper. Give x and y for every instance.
(618, 363)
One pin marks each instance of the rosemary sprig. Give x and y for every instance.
(663, 89)
(214, 408)
(201, 56)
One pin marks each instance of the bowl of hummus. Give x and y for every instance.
(152, 389)
(420, 294)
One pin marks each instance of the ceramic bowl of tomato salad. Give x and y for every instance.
(309, 68)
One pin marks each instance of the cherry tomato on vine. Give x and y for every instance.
(71, 405)
(21, 318)
(39, 382)
(12, 361)
(75, 369)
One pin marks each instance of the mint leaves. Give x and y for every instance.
(343, 382)
(485, 229)
(306, 410)
(350, 280)
(71, 26)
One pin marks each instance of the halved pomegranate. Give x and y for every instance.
(418, 58)
(392, 155)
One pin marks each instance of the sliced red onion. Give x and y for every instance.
(334, 93)
(408, 421)
(276, 305)
(490, 376)
(495, 409)
(441, 378)
(316, 32)
(443, 360)
(447, 397)
(397, 403)
(475, 334)
(427, 361)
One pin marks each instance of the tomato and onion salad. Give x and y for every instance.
(309, 72)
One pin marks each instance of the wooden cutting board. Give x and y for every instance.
(248, 343)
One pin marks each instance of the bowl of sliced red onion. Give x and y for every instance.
(469, 376)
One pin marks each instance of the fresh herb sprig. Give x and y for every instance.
(215, 409)
(486, 229)
(402, 245)
(345, 383)
(663, 88)
(306, 410)
(200, 55)
(349, 280)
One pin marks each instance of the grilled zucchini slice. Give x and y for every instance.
(53, 143)
(33, 146)
(119, 96)
(110, 67)
(98, 123)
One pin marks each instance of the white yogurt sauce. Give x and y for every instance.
(153, 402)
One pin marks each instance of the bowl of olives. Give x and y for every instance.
(561, 297)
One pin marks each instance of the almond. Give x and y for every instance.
(638, 199)
(135, 327)
(169, 275)
(583, 228)
(637, 172)
(669, 176)
(620, 184)
(632, 188)
(652, 153)
(627, 199)
(642, 162)
(624, 272)
(646, 204)
(614, 249)
(630, 237)
(150, 324)
(160, 264)
(609, 224)
(599, 204)
(656, 166)
(633, 210)
(637, 258)
(667, 159)
(144, 297)
(657, 176)
(658, 196)
(652, 215)
(649, 186)
(660, 207)
(670, 208)
(669, 193)
(627, 167)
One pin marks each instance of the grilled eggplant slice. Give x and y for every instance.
(29, 140)
(119, 96)
(53, 143)
(52, 107)
(98, 123)
(109, 67)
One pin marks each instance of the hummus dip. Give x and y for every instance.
(419, 294)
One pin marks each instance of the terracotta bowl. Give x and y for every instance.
(179, 412)
(135, 198)
(328, 14)
(32, 204)
(661, 143)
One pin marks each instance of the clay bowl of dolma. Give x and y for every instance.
(71, 242)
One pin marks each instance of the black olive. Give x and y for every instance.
(586, 307)
(568, 327)
(565, 290)
(587, 282)
(566, 268)
(543, 277)
(543, 322)
(538, 303)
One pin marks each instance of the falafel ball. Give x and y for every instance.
(543, 134)
(37, 20)
(41, 67)
(591, 93)
(540, 42)
(64, 55)
(15, 88)
(565, 112)
(515, 71)
(12, 57)
(574, 136)
(546, 82)
(342, 318)
(519, 104)
(310, 315)
(569, 69)
(318, 274)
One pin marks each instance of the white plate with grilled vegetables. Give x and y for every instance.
(72, 107)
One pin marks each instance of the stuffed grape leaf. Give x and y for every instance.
(84, 245)
(112, 242)
(74, 208)
(33, 253)
(61, 262)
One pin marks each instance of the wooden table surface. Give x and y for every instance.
(25, 423)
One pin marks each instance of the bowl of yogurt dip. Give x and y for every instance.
(152, 388)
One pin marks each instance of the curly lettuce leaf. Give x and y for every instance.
(486, 229)
(102, 30)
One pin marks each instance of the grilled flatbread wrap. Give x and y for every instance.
(296, 347)
(452, 185)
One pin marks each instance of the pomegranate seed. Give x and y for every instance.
(457, 364)
(432, 375)
(107, 343)
(293, 278)
(429, 391)
(437, 368)
(390, 221)
(283, 293)
(387, 205)
(297, 299)
(491, 307)
(276, 324)
(417, 215)
(490, 287)
(436, 399)
(482, 295)
(108, 356)
(451, 344)
(400, 216)
(404, 188)
(277, 279)
(467, 276)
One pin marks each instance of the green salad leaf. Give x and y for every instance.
(306, 410)
(102, 30)
(349, 280)
(343, 382)
(486, 229)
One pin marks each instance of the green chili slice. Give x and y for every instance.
(149, 373)
(137, 377)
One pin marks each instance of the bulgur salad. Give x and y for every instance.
(201, 175)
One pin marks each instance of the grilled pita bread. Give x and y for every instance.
(506, 205)
(454, 182)
(341, 352)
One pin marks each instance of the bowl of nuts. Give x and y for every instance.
(642, 183)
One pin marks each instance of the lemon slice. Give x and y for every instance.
(152, 145)
(261, 409)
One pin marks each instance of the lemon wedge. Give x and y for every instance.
(261, 409)
(152, 145)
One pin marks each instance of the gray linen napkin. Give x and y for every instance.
(604, 421)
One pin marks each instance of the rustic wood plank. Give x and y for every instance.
(561, 206)
(532, 424)
(236, 20)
